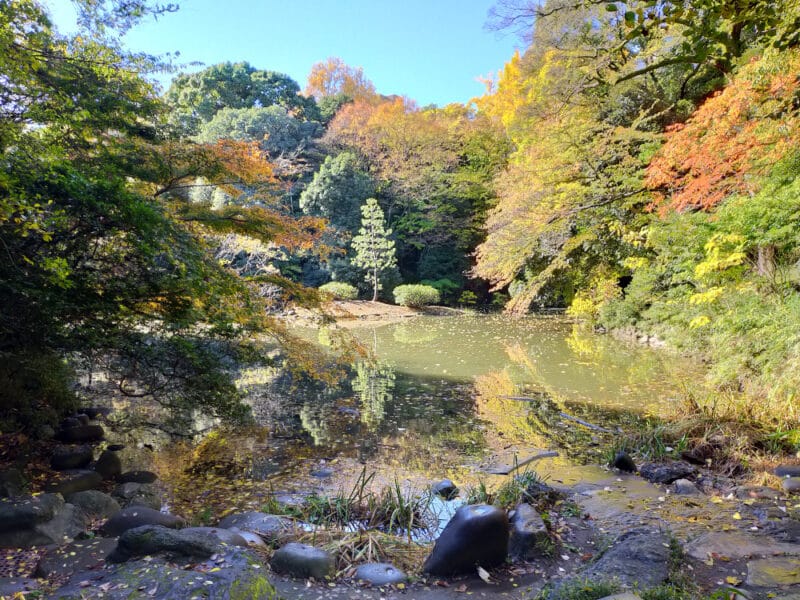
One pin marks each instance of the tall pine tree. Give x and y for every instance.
(374, 249)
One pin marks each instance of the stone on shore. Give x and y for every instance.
(137, 477)
(38, 521)
(70, 457)
(137, 494)
(81, 434)
(269, 527)
(529, 538)
(108, 465)
(379, 574)
(75, 481)
(302, 561)
(148, 540)
(137, 516)
(640, 557)
(477, 535)
(666, 472)
(82, 555)
(95, 504)
(445, 488)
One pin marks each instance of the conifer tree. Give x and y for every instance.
(374, 249)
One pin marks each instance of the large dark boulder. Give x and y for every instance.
(269, 527)
(529, 536)
(137, 477)
(137, 516)
(445, 488)
(624, 462)
(108, 465)
(75, 481)
(226, 536)
(476, 535)
(39, 521)
(94, 504)
(302, 561)
(666, 472)
(77, 556)
(137, 494)
(155, 539)
(787, 470)
(70, 457)
(81, 434)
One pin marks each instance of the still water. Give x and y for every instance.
(457, 396)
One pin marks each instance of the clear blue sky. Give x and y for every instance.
(430, 50)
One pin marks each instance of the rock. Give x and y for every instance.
(154, 539)
(81, 434)
(773, 572)
(445, 488)
(640, 556)
(137, 494)
(77, 556)
(623, 596)
(684, 487)
(787, 471)
(96, 411)
(791, 485)
(252, 539)
(76, 481)
(12, 483)
(83, 418)
(69, 423)
(137, 477)
(70, 457)
(226, 536)
(529, 538)
(322, 473)
(476, 535)
(269, 527)
(758, 492)
(38, 521)
(623, 462)
(17, 587)
(302, 561)
(108, 465)
(116, 447)
(94, 504)
(158, 579)
(137, 516)
(666, 472)
(380, 574)
(737, 544)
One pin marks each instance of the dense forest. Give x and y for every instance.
(636, 165)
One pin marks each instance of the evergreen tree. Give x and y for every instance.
(374, 250)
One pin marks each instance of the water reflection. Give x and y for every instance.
(447, 395)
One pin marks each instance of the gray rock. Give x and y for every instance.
(787, 471)
(70, 457)
(137, 477)
(12, 483)
(666, 472)
(300, 560)
(624, 462)
(77, 556)
(137, 494)
(737, 544)
(322, 473)
(10, 587)
(156, 579)
(640, 557)
(81, 434)
(684, 487)
(476, 535)
(269, 527)
(76, 481)
(38, 521)
(380, 574)
(94, 504)
(108, 465)
(529, 538)
(155, 539)
(791, 485)
(758, 492)
(226, 536)
(252, 539)
(137, 516)
(774, 572)
(116, 447)
(445, 488)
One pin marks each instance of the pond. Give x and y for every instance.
(457, 397)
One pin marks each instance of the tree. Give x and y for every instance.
(374, 250)
(195, 98)
(334, 77)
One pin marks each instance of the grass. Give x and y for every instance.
(526, 486)
(579, 589)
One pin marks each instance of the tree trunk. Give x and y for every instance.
(375, 285)
(765, 264)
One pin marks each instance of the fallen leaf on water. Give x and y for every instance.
(737, 516)
(462, 588)
(484, 574)
(733, 580)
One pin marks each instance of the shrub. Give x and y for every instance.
(339, 290)
(415, 295)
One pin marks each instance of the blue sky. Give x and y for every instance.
(430, 50)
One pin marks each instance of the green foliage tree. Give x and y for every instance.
(195, 98)
(374, 250)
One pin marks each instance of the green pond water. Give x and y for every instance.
(457, 396)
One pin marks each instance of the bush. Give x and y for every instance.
(415, 295)
(339, 290)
